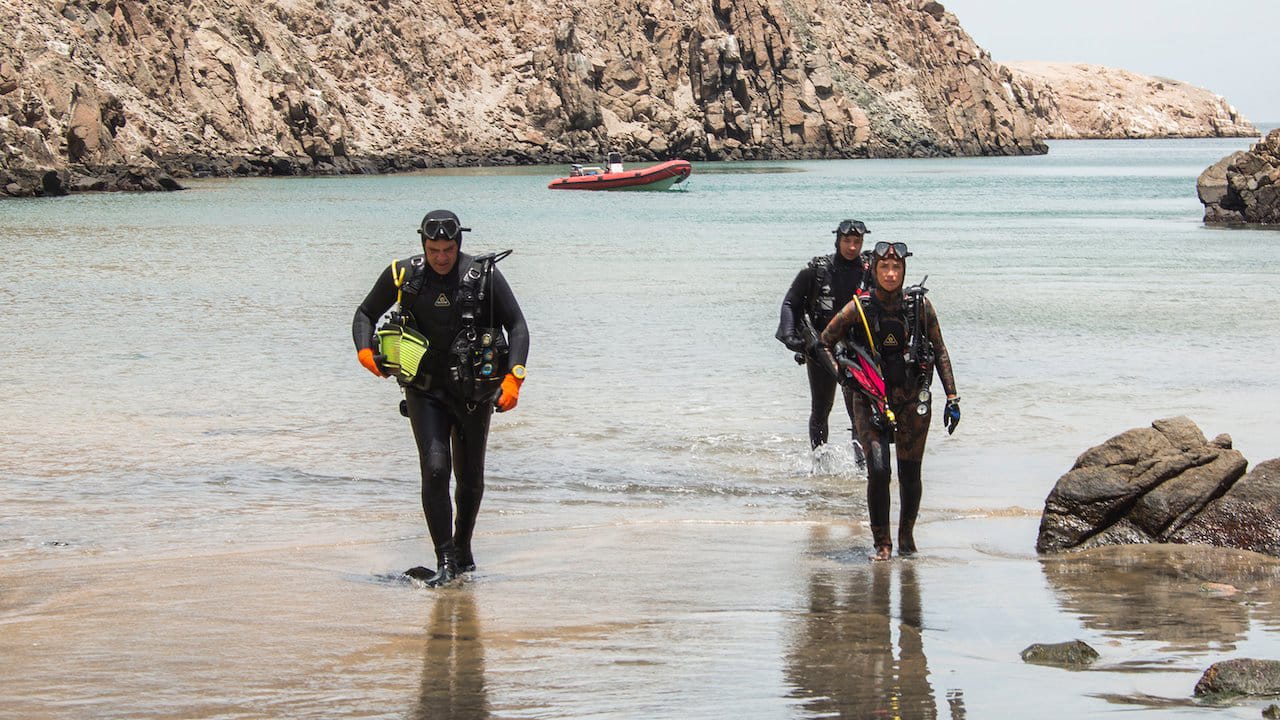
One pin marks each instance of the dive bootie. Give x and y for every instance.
(466, 561)
(448, 570)
(910, 489)
(907, 538)
(884, 546)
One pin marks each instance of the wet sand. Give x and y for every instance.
(681, 617)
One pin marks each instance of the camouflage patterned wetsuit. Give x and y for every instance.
(887, 317)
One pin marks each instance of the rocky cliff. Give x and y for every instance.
(1073, 101)
(1244, 187)
(101, 94)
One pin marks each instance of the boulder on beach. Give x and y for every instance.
(1242, 676)
(1164, 484)
(1244, 187)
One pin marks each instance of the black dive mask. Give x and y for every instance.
(886, 249)
(446, 228)
(848, 227)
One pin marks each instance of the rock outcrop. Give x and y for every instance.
(1164, 484)
(99, 93)
(1077, 101)
(1244, 187)
(1241, 676)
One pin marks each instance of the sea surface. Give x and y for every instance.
(179, 387)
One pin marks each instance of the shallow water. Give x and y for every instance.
(202, 488)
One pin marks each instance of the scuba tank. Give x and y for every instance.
(478, 355)
(919, 355)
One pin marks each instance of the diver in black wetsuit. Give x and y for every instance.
(900, 332)
(818, 292)
(477, 343)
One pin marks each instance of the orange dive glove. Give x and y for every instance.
(511, 389)
(366, 359)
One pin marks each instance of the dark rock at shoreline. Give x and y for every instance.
(1163, 484)
(1241, 676)
(122, 179)
(1073, 654)
(1244, 187)
(1245, 517)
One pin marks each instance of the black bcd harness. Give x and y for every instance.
(912, 354)
(821, 297)
(476, 359)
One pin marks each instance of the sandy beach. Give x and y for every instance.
(676, 618)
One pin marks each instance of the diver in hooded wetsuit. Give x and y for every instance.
(824, 286)
(463, 307)
(882, 324)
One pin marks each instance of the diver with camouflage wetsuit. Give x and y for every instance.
(899, 331)
(824, 286)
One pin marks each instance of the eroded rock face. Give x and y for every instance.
(1164, 484)
(1075, 101)
(92, 88)
(1244, 187)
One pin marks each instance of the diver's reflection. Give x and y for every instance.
(453, 662)
(852, 658)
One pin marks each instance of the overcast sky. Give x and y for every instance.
(1227, 46)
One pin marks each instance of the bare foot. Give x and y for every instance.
(882, 553)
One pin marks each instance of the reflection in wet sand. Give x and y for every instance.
(853, 658)
(1192, 598)
(453, 686)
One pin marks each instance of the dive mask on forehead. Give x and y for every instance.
(848, 227)
(887, 249)
(446, 228)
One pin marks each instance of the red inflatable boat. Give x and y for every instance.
(656, 177)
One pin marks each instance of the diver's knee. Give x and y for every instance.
(877, 459)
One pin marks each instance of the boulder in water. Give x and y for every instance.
(1164, 484)
(1242, 676)
(1074, 654)
(1244, 187)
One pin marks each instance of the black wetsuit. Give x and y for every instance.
(887, 318)
(809, 298)
(451, 432)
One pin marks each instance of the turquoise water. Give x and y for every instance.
(192, 349)
(179, 379)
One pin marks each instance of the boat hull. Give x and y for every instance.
(656, 177)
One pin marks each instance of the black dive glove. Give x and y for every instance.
(951, 415)
(814, 346)
(794, 343)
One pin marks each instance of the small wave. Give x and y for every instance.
(1013, 511)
